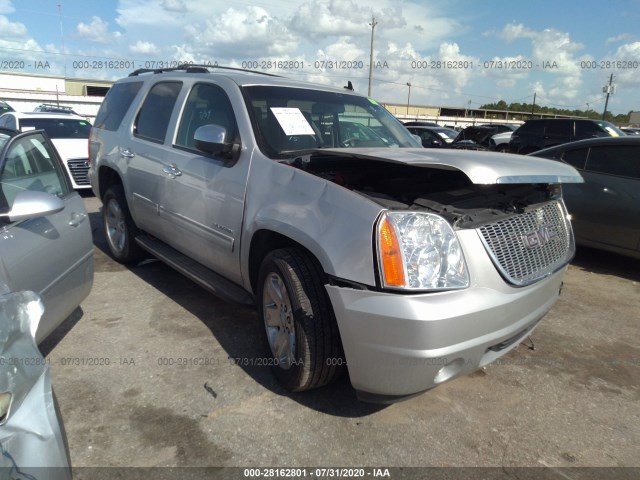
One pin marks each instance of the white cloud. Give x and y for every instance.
(550, 47)
(620, 38)
(174, 5)
(11, 30)
(6, 7)
(249, 33)
(627, 55)
(15, 39)
(97, 31)
(334, 18)
(143, 47)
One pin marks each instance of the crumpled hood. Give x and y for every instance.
(482, 168)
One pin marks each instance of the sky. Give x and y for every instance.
(457, 53)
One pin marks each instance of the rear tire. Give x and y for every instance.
(300, 325)
(119, 228)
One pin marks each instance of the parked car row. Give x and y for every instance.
(606, 208)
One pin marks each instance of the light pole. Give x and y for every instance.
(609, 89)
(408, 97)
(373, 26)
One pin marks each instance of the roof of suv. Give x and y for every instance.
(239, 76)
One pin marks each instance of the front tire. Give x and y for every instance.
(300, 325)
(119, 229)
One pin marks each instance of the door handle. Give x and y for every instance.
(126, 153)
(76, 219)
(172, 171)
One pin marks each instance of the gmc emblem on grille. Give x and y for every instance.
(540, 237)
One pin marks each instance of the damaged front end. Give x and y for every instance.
(513, 204)
(32, 441)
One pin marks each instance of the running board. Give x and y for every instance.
(207, 279)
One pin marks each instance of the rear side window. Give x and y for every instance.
(623, 160)
(153, 119)
(116, 104)
(532, 127)
(562, 128)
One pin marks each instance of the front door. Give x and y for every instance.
(203, 198)
(51, 255)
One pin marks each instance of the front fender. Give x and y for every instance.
(332, 222)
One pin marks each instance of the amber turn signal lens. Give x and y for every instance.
(390, 255)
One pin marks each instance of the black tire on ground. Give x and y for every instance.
(503, 147)
(119, 228)
(301, 329)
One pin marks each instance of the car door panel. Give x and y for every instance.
(145, 155)
(53, 254)
(203, 208)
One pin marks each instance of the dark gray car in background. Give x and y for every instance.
(605, 209)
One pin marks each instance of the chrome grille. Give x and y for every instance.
(528, 246)
(79, 169)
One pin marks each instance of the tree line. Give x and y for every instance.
(622, 118)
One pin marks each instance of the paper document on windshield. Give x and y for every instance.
(292, 121)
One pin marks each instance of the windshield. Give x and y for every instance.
(288, 119)
(58, 127)
(611, 129)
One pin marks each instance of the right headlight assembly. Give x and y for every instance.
(419, 251)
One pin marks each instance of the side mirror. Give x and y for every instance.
(212, 139)
(32, 204)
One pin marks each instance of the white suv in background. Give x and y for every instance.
(69, 134)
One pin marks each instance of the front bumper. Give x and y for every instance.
(399, 345)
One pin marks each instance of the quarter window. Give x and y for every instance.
(116, 104)
(153, 118)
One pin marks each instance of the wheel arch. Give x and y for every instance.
(107, 177)
(264, 241)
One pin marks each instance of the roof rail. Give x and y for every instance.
(196, 68)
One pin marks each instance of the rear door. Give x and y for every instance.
(609, 200)
(146, 156)
(51, 255)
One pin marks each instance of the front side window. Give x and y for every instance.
(207, 104)
(153, 119)
(30, 164)
(287, 119)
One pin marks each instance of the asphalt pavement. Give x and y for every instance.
(153, 371)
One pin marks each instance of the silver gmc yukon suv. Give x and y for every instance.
(362, 250)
